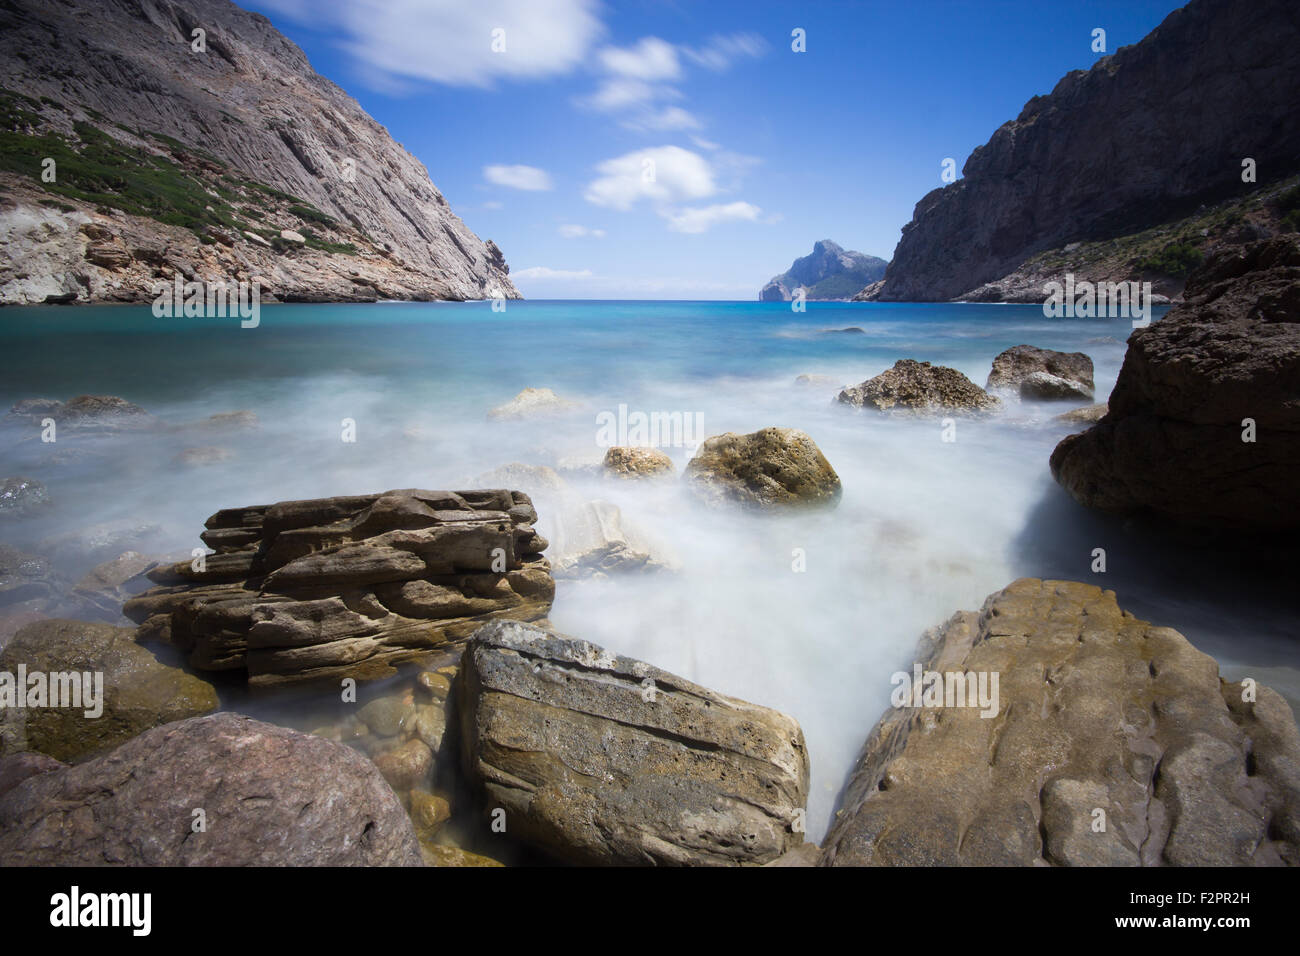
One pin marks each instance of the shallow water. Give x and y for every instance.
(925, 527)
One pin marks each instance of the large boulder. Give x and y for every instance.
(349, 586)
(602, 759)
(224, 790)
(773, 467)
(138, 690)
(1042, 373)
(1109, 741)
(1174, 441)
(919, 387)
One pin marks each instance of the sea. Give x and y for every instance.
(811, 613)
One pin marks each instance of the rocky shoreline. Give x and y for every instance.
(450, 724)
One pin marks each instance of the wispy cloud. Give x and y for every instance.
(638, 78)
(453, 42)
(528, 178)
(702, 219)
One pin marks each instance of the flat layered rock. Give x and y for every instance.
(1032, 372)
(606, 760)
(1109, 742)
(773, 467)
(1203, 426)
(349, 586)
(919, 387)
(223, 790)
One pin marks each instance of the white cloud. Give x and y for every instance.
(574, 231)
(492, 204)
(650, 59)
(450, 41)
(663, 174)
(529, 178)
(542, 272)
(722, 51)
(701, 219)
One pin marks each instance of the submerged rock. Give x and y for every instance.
(1087, 415)
(268, 797)
(602, 759)
(85, 413)
(107, 586)
(21, 497)
(1100, 717)
(1204, 422)
(773, 467)
(623, 462)
(532, 403)
(592, 540)
(912, 386)
(139, 691)
(1042, 373)
(348, 586)
(588, 538)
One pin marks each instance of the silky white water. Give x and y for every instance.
(810, 613)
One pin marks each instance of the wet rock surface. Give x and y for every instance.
(919, 387)
(1115, 742)
(139, 690)
(1175, 440)
(773, 467)
(1038, 373)
(602, 759)
(268, 797)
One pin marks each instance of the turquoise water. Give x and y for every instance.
(925, 527)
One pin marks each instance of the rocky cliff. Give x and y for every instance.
(229, 159)
(828, 272)
(1143, 138)
(1203, 427)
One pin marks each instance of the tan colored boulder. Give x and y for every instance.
(774, 467)
(625, 462)
(601, 759)
(1109, 742)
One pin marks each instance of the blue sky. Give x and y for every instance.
(544, 143)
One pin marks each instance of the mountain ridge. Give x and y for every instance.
(119, 90)
(829, 272)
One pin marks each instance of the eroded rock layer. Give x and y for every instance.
(603, 759)
(348, 586)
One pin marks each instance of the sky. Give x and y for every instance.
(651, 149)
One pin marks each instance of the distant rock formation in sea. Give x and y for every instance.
(828, 272)
(1144, 139)
(234, 162)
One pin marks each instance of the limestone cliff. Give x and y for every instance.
(1143, 138)
(226, 159)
